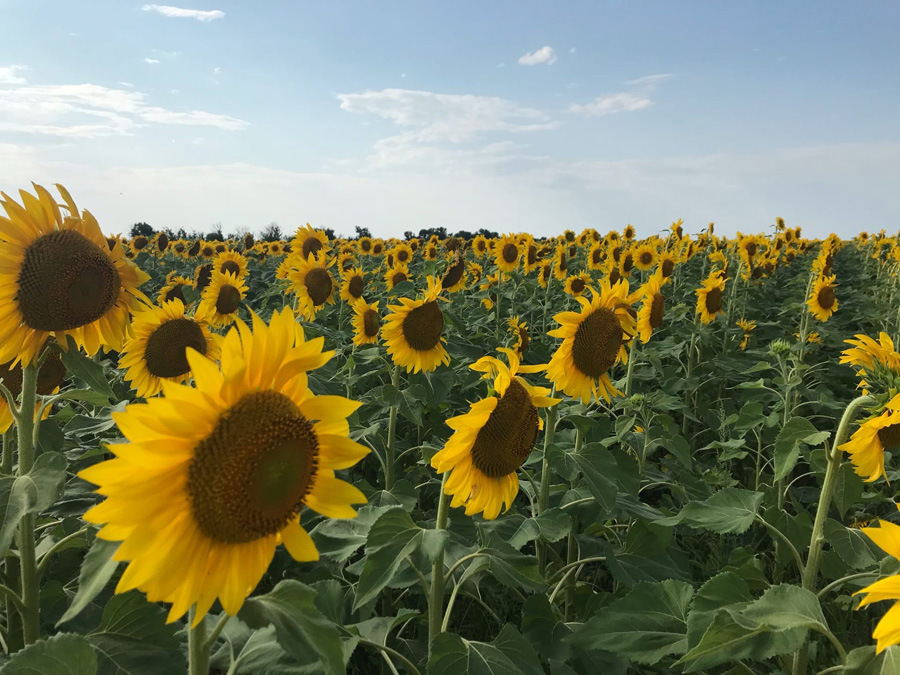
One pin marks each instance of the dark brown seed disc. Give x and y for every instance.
(66, 281)
(646, 258)
(311, 245)
(414, 245)
(614, 275)
(627, 263)
(390, 259)
(563, 263)
(545, 273)
(657, 306)
(111, 242)
(423, 326)
(616, 253)
(573, 250)
(207, 251)
(377, 249)
(203, 276)
(524, 340)
(179, 247)
(318, 284)
(402, 255)
(578, 285)
(668, 266)
(889, 436)
(365, 245)
(220, 248)
(597, 341)
(714, 300)
(50, 376)
(826, 297)
(356, 286)
(230, 266)
(398, 278)
(162, 241)
(532, 254)
(510, 253)
(481, 246)
(228, 300)
(248, 241)
(452, 244)
(194, 249)
(453, 274)
(596, 256)
(139, 242)
(679, 231)
(249, 477)
(287, 247)
(371, 321)
(165, 355)
(175, 293)
(508, 436)
(757, 272)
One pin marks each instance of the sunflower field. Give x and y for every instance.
(590, 453)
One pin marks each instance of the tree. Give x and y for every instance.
(216, 234)
(271, 232)
(362, 232)
(142, 230)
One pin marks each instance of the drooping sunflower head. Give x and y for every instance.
(650, 316)
(822, 301)
(454, 278)
(309, 241)
(212, 479)
(59, 277)
(353, 285)
(396, 275)
(519, 331)
(414, 331)
(710, 298)
(311, 281)
(593, 342)
(493, 439)
(366, 322)
(576, 284)
(507, 253)
(158, 349)
(645, 256)
(202, 276)
(231, 261)
(221, 300)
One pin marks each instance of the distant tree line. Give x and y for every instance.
(273, 232)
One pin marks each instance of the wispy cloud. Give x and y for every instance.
(649, 80)
(152, 62)
(610, 104)
(8, 74)
(181, 13)
(543, 55)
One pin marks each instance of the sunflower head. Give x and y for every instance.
(396, 275)
(710, 297)
(308, 241)
(231, 261)
(353, 285)
(414, 331)
(650, 316)
(576, 284)
(454, 278)
(519, 331)
(645, 256)
(822, 301)
(366, 322)
(221, 300)
(507, 252)
(312, 282)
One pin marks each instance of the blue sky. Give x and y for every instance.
(511, 115)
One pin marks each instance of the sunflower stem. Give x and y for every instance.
(544, 495)
(25, 534)
(6, 466)
(436, 601)
(391, 449)
(835, 455)
(632, 357)
(198, 649)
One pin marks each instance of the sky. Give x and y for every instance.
(512, 115)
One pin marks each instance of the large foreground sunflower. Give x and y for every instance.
(413, 333)
(821, 302)
(493, 439)
(158, 350)
(59, 277)
(868, 444)
(211, 480)
(593, 341)
(887, 632)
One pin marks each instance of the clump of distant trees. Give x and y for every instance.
(273, 232)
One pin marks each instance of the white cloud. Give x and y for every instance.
(151, 61)
(649, 80)
(217, 70)
(125, 84)
(543, 55)
(611, 103)
(8, 74)
(180, 13)
(573, 50)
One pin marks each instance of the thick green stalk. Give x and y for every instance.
(572, 541)
(6, 466)
(544, 494)
(25, 535)
(436, 601)
(198, 647)
(391, 449)
(632, 357)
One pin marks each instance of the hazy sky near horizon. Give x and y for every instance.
(510, 114)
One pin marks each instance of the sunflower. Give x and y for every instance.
(307, 240)
(628, 233)
(530, 258)
(221, 299)
(346, 262)
(402, 253)
(868, 444)
(561, 263)
(666, 262)
(194, 250)
(626, 263)
(202, 276)
(158, 349)
(248, 241)
(576, 284)
(748, 327)
(490, 281)
(275, 248)
(377, 248)
(366, 322)
(58, 277)
(821, 302)
(519, 329)
(396, 275)
(493, 439)
(545, 273)
(507, 253)
(645, 257)
(480, 246)
(596, 255)
(207, 250)
(593, 341)
(137, 244)
(454, 278)
(887, 632)
(871, 354)
(431, 251)
(709, 297)
(353, 285)
(476, 271)
(212, 479)
(49, 379)
(413, 331)
(364, 244)
(650, 316)
(231, 261)
(312, 282)
(180, 248)
(174, 288)
(162, 242)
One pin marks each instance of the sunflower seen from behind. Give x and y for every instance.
(366, 323)
(158, 349)
(212, 479)
(413, 332)
(593, 342)
(493, 439)
(59, 277)
(221, 300)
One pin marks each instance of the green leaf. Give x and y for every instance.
(63, 654)
(514, 569)
(48, 475)
(17, 496)
(797, 430)
(340, 538)
(379, 628)
(848, 488)
(133, 638)
(544, 629)
(646, 625)
(597, 465)
(97, 569)
(728, 510)
(782, 608)
(393, 538)
(723, 590)
(300, 627)
(87, 370)
(854, 547)
(95, 398)
(864, 661)
(509, 654)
